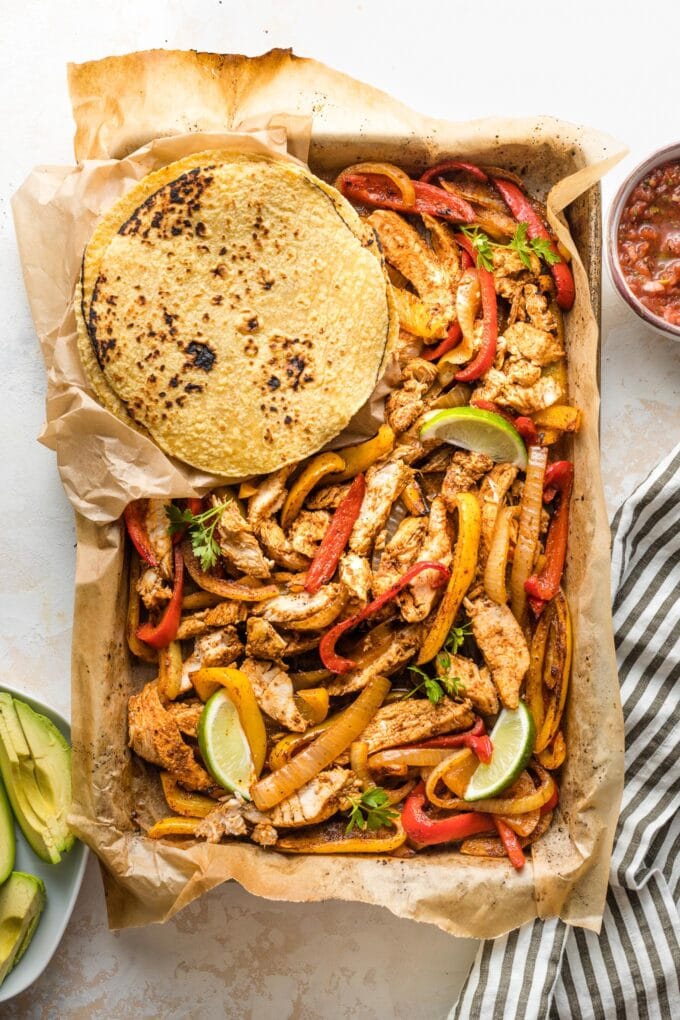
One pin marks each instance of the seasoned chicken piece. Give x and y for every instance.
(510, 273)
(155, 736)
(537, 309)
(329, 497)
(404, 645)
(223, 615)
(317, 800)
(445, 247)
(238, 543)
(273, 690)
(405, 722)
(417, 600)
(524, 340)
(225, 819)
(269, 497)
(265, 834)
(523, 399)
(384, 484)
(476, 685)
(405, 404)
(407, 347)
(437, 462)
(410, 447)
(279, 547)
(463, 473)
(300, 610)
(501, 642)
(218, 648)
(307, 530)
(186, 714)
(355, 575)
(152, 589)
(263, 641)
(156, 521)
(404, 248)
(400, 553)
(492, 493)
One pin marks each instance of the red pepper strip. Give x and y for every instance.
(336, 538)
(428, 831)
(133, 516)
(555, 475)
(551, 804)
(336, 663)
(164, 632)
(523, 211)
(453, 164)
(513, 847)
(451, 339)
(524, 426)
(195, 506)
(466, 244)
(371, 189)
(544, 586)
(484, 359)
(476, 739)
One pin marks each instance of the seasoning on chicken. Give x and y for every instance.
(224, 614)
(317, 800)
(156, 737)
(417, 600)
(238, 543)
(502, 643)
(279, 547)
(152, 589)
(263, 641)
(355, 575)
(492, 492)
(307, 530)
(302, 611)
(273, 690)
(411, 720)
(384, 483)
(328, 497)
(186, 714)
(269, 497)
(476, 685)
(218, 648)
(404, 644)
(404, 405)
(402, 550)
(463, 473)
(156, 523)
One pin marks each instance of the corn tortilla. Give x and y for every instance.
(237, 309)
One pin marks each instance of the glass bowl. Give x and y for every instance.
(665, 155)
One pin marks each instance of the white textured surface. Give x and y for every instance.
(232, 955)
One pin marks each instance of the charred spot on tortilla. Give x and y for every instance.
(202, 356)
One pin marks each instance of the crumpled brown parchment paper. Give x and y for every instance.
(137, 112)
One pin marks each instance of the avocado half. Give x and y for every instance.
(35, 762)
(22, 900)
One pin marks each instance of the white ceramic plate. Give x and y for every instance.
(62, 883)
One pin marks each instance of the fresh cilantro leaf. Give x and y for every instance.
(482, 246)
(521, 244)
(371, 811)
(201, 529)
(434, 691)
(453, 685)
(456, 637)
(444, 660)
(545, 251)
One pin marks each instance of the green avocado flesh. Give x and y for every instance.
(22, 899)
(35, 762)
(7, 844)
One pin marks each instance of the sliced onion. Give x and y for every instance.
(512, 805)
(400, 793)
(468, 300)
(497, 562)
(459, 765)
(328, 745)
(457, 396)
(236, 590)
(358, 762)
(410, 757)
(400, 179)
(529, 526)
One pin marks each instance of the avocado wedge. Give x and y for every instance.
(22, 899)
(35, 763)
(7, 842)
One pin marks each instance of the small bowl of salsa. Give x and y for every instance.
(644, 241)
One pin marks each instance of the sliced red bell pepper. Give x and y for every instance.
(544, 586)
(134, 517)
(476, 739)
(524, 426)
(335, 662)
(333, 544)
(372, 189)
(487, 352)
(164, 632)
(195, 505)
(524, 212)
(513, 847)
(449, 165)
(451, 339)
(428, 831)
(554, 478)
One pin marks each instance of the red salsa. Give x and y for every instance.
(649, 242)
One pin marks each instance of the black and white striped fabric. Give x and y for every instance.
(631, 970)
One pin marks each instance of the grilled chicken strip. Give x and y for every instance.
(269, 497)
(238, 543)
(263, 641)
(218, 648)
(492, 493)
(417, 600)
(463, 473)
(355, 575)
(405, 722)
(526, 341)
(186, 714)
(307, 530)
(402, 550)
(403, 646)
(404, 405)
(521, 395)
(384, 484)
(279, 547)
(152, 589)
(502, 643)
(476, 684)
(273, 690)
(302, 611)
(327, 498)
(156, 521)
(317, 800)
(225, 614)
(156, 737)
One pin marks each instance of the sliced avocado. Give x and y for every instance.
(35, 762)
(7, 843)
(22, 899)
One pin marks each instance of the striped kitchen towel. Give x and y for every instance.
(631, 970)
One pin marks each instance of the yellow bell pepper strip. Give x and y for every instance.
(462, 573)
(192, 805)
(327, 556)
(546, 436)
(327, 653)
(413, 499)
(557, 660)
(533, 692)
(244, 591)
(170, 671)
(246, 490)
(530, 509)
(455, 772)
(360, 457)
(552, 756)
(137, 647)
(332, 839)
(318, 468)
(174, 826)
(560, 416)
(313, 704)
(237, 685)
(161, 634)
(199, 600)
(305, 679)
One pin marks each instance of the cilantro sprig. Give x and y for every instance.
(371, 811)
(482, 245)
(435, 687)
(520, 242)
(201, 529)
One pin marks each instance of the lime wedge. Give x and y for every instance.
(480, 431)
(513, 741)
(224, 746)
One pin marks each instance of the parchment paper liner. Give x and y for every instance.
(123, 104)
